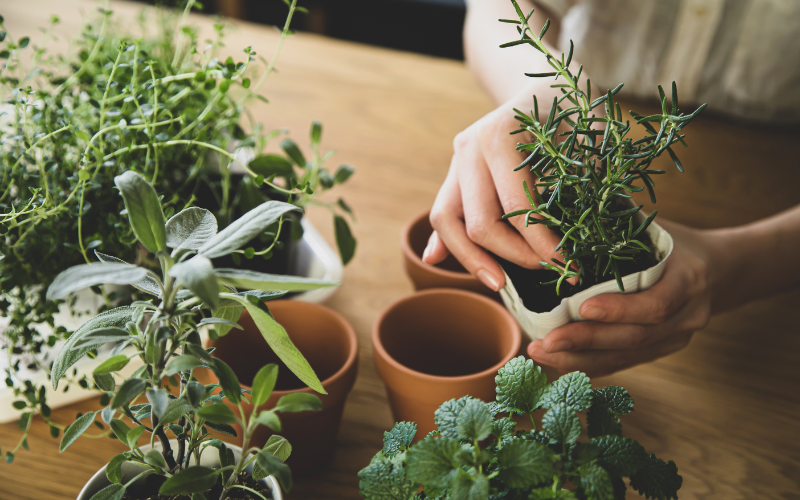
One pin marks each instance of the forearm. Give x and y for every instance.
(502, 71)
(755, 260)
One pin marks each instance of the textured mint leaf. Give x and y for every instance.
(399, 438)
(446, 416)
(657, 479)
(561, 425)
(503, 428)
(474, 420)
(601, 422)
(385, 479)
(525, 463)
(549, 494)
(468, 487)
(595, 482)
(432, 461)
(573, 389)
(520, 385)
(614, 398)
(621, 456)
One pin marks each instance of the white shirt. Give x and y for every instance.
(742, 57)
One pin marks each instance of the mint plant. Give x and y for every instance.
(587, 172)
(478, 453)
(163, 333)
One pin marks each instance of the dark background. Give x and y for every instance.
(426, 26)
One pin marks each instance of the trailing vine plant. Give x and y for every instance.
(587, 172)
(162, 103)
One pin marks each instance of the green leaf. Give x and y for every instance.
(399, 438)
(446, 416)
(273, 466)
(245, 228)
(147, 284)
(601, 422)
(343, 173)
(75, 430)
(195, 393)
(120, 430)
(85, 275)
(228, 313)
(520, 385)
(159, 401)
(385, 479)
(316, 132)
(549, 494)
(176, 409)
(281, 344)
(105, 382)
(102, 336)
(297, 402)
(432, 461)
(525, 463)
(474, 421)
(291, 149)
(657, 479)
(112, 364)
(134, 435)
(197, 479)
(573, 389)
(263, 384)
(197, 274)
(271, 164)
(615, 399)
(127, 391)
(252, 280)
(189, 229)
(110, 492)
(468, 487)
(619, 455)
(114, 468)
(595, 482)
(144, 210)
(227, 380)
(270, 419)
(561, 425)
(182, 363)
(344, 239)
(217, 413)
(278, 446)
(503, 428)
(154, 458)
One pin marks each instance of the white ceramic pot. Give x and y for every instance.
(537, 325)
(129, 471)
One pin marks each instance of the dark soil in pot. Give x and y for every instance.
(541, 298)
(147, 489)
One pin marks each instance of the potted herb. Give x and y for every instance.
(587, 164)
(166, 105)
(165, 335)
(477, 450)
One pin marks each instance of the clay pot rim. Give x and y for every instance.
(350, 332)
(412, 255)
(380, 351)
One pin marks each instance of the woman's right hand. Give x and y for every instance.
(480, 187)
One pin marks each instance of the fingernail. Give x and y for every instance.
(560, 345)
(489, 280)
(425, 253)
(591, 312)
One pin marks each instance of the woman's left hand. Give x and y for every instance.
(624, 330)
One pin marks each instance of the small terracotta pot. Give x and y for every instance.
(447, 274)
(329, 344)
(441, 344)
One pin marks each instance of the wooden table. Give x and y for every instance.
(726, 409)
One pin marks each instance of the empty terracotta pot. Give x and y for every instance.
(441, 344)
(447, 274)
(329, 344)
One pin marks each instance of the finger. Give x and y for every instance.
(651, 306)
(446, 219)
(597, 363)
(483, 213)
(436, 251)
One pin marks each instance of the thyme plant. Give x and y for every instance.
(587, 172)
(163, 103)
(478, 452)
(163, 333)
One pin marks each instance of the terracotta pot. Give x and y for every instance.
(447, 274)
(441, 344)
(329, 344)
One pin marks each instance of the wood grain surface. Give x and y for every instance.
(726, 409)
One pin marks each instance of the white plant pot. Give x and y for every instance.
(209, 459)
(537, 325)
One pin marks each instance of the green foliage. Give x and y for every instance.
(478, 454)
(164, 335)
(585, 173)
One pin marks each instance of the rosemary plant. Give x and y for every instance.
(163, 333)
(587, 172)
(162, 102)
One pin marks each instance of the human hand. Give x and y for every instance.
(624, 330)
(480, 187)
